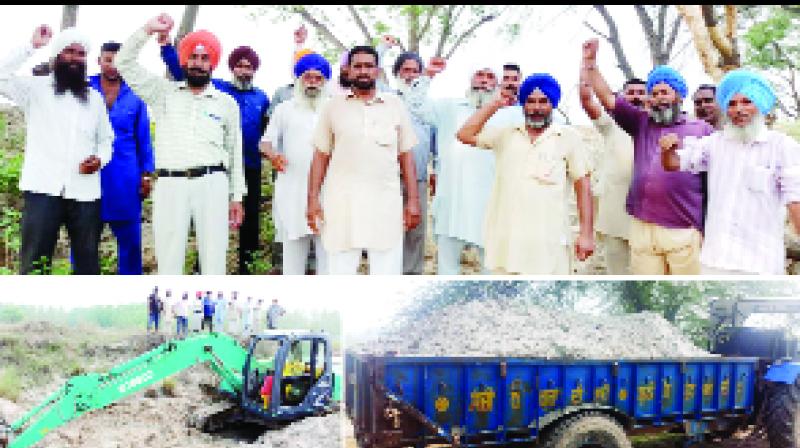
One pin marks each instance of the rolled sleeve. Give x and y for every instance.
(578, 161)
(489, 138)
(323, 134)
(694, 154)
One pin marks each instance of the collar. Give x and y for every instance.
(210, 91)
(555, 129)
(380, 97)
(94, 81)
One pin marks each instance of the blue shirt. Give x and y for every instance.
(253, 107)
(208, 306)
(132, 156)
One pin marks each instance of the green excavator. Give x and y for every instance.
(300, 365)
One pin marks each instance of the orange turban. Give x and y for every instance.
(300, 53)
(199, 38)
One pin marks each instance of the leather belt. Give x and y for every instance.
(199, 171)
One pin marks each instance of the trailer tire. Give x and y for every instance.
(591, 428)
(782, 415)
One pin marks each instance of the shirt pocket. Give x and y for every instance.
(386, 134)
(759, 179)
(543, 166)
(211, 129)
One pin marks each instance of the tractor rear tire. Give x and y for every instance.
(593, 429)
(782, 415)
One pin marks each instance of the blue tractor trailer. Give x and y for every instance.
(397, 400)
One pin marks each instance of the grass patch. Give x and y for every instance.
(10, 383)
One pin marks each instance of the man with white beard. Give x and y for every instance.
(287, 144)
(753, 173)
(465, 176)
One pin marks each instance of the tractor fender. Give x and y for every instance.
(784, 373)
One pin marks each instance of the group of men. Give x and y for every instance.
(205, 312)
(355, 161)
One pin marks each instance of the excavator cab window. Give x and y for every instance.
(261, 363)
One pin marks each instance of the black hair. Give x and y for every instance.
(110, 46)
(710, 87)
(362, 49)
(403, 57)
(512, 66)
(633, 80)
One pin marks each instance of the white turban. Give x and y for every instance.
(68, 37)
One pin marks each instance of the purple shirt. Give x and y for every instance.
(672, 199)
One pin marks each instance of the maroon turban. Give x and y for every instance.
(243, 52)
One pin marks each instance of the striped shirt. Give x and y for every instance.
(191, 130)
(749, 186)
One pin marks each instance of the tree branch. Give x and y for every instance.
(447, 27)
(320, 27)
(725, 48)
(673, 35)
(360, 23)
(471, 30)
(649, 33)
(662, 19)
(432, 12)
(596, 31)
(613, 39)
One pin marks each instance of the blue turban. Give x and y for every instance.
(669, 76)
(312, 61)
(544, 82)
(750, 84)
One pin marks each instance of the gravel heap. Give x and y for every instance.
(311, 432)
(517, 327)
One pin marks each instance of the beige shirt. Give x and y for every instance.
(191, 130)
(361, 196)
(527, 219)
(616, 172)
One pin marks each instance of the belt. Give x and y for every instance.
(191, 172)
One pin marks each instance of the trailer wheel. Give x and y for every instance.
(591, 429)
(782, 416)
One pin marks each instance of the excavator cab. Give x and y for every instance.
(296, 366)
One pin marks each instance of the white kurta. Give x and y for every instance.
(292, 127)
(465, 177)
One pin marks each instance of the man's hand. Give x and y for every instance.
(314, 215)
(504, 98)
(432, 184)
(411, 214)
(90, 165)
(41, 36)
(162, 23)
(277, 160)
(235, 214)
(584, 246)
(668, 142)
(590, 50)
(145, 186)
(163, 39)
(300, 35)
(435, 66)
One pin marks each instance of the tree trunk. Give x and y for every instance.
(709, 55)
(187, 22)
(413, 30)
(69, 16)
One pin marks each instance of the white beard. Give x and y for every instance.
(744, 134)
(306, 101)
(480, 98)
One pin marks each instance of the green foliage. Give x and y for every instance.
(10, 383)
(132, 316)
(765, 36)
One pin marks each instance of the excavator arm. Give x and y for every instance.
(85, 393)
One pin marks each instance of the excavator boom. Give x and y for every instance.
(85, 393)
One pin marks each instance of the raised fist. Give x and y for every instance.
(668, 142)
(436, 65)
(389, 41)
(590, 48)
(163, 39)
(162, 23)
(41, 36)
(300, 34)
